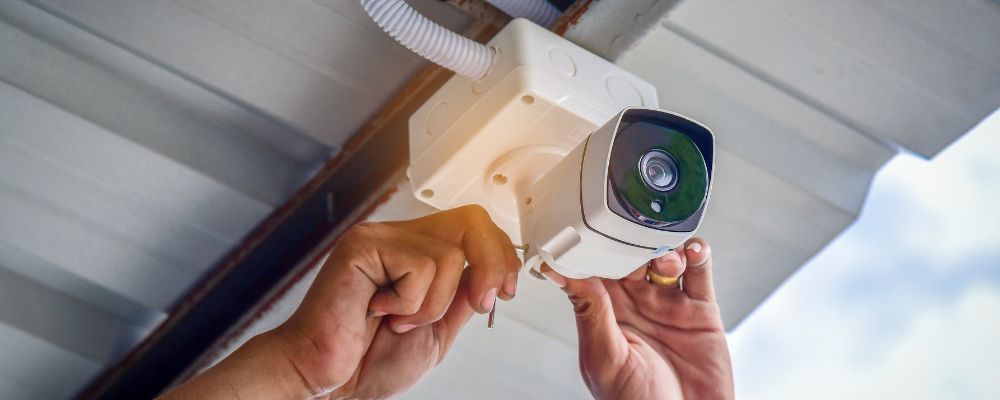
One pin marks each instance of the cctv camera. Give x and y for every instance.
(526, 142)
(633, 190)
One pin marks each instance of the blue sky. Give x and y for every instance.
(905, 303)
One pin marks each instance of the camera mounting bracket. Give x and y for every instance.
(488, 141)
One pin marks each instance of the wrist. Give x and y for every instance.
(297, 353)
(257, 370)
(318, 368)
(271, 352)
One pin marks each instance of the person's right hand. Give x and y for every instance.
(381, 314)
(640, 340)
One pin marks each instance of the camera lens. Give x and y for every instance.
(659, 172)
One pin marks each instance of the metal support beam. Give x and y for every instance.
(482, 11)
(610, 28)
(280, 250)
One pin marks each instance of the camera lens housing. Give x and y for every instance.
(635, 189)
(657, 174)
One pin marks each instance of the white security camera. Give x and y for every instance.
(633, 190)
(526, 142)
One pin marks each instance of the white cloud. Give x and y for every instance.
(906, 304)
(955, 198)
(945, 352)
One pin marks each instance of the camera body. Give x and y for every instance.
(637, 188)
(518, 140)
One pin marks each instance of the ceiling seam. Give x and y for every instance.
(789, 90)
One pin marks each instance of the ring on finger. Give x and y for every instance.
(661, 280)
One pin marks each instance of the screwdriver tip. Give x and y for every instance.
(489, 321)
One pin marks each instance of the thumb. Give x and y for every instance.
(601, 339)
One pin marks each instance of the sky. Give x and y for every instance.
(905, 303)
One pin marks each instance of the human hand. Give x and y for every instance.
(641, 340)
(381, 313)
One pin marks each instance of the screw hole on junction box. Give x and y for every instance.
(427, 193)
(528, 99)
(499, 179)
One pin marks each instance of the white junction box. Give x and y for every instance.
(488, 141)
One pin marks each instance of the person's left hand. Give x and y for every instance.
(641, 340)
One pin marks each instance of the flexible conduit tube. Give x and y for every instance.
(540, 12)
(430, 40)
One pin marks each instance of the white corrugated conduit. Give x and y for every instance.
(540, 12)
(430, 40)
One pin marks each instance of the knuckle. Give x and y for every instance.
(474, 209)
(438, 314)
(425, 268)
(452, 256)
(429, 316)
(584, 306)
(410, 307)
(476, 213)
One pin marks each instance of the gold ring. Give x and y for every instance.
(660, 279)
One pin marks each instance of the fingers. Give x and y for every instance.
(490, 254)
(424, 273)
(449, 262)
(600, 336)
(454, 319)
(487, 268)
(513, 263)
(670, 265)
(693, 260)
(447, 239)
(409, 273)
(698, 274)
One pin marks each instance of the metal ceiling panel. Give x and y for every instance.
(142, 140)
(38, 369)
(321, 67)
(917, 74)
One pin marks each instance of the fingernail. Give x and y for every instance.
(510, 284)
(555, 278)
(378, 313)
(403, 328)
(489, 299)
(694, 246)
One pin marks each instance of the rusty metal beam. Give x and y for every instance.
(482, 11)
(610, 28)
(292, 239)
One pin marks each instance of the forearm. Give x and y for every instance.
(259, 369)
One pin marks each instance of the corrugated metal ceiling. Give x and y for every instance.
(142, 140)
